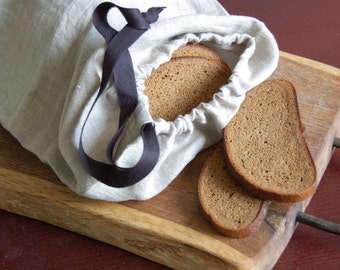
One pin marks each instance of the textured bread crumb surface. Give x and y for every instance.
(195, 50)
(180, 85)
(227, 204)
(265, 142)
(198, 50)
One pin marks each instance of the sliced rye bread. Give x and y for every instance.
(181, 84)
(231, 209)
(198, 50)
(265, 148)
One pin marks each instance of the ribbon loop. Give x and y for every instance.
(118, 62)
(133, 16)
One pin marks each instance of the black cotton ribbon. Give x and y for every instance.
(118, 63)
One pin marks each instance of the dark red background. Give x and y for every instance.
(308, 28)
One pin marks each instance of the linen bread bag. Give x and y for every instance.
(53, 69)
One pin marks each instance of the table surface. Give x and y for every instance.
(307, 28)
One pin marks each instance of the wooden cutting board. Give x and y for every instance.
(170, 228)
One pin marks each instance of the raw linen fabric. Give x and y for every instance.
(51, 65)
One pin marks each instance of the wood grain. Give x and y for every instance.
(170, 228)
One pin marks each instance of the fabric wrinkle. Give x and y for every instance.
(67, 65)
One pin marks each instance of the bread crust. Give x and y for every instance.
(254, 186)
(198, 50)
(209, 211)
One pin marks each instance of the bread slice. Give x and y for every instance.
(195, 50)
(231, 209)
(265, 147)
(198, 50)
(180, 85)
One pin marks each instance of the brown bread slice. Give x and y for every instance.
(180, 85)
(265, 147)
(195, 50)
(231, 209)
(198, 50)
